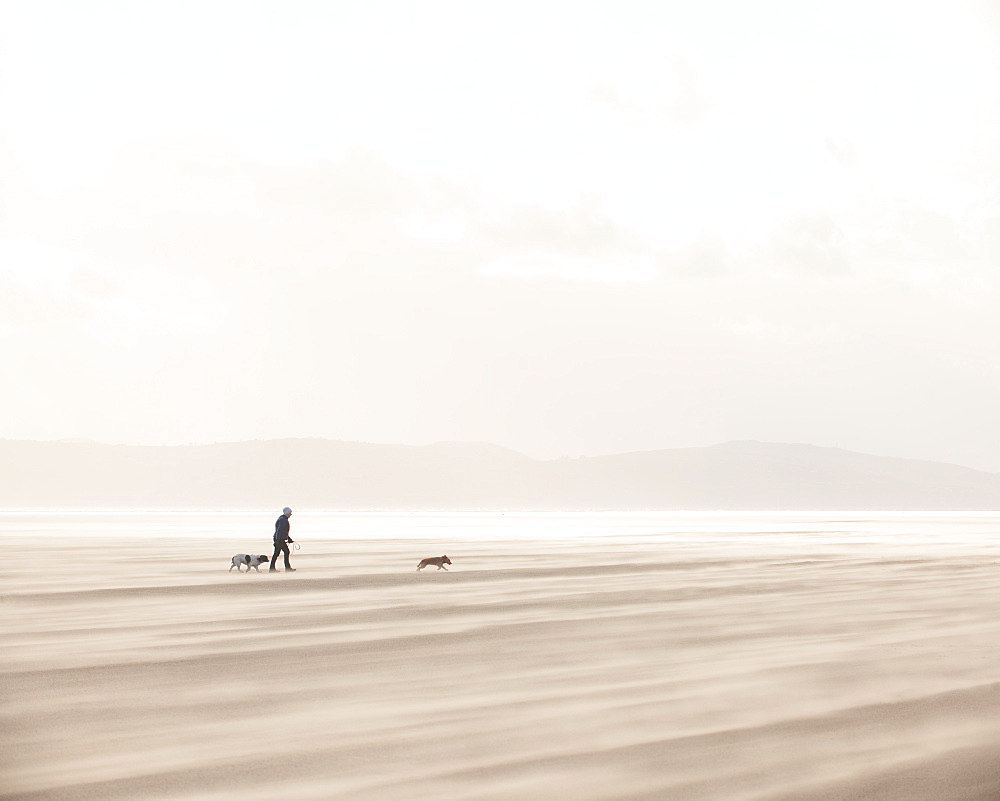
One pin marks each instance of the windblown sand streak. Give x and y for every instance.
(533, 670)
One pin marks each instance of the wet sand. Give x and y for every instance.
(544, 669)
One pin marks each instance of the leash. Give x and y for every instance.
(293, 546)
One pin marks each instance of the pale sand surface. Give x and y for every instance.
(652, 664)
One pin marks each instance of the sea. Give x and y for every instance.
(888, 531)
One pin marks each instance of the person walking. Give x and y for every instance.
(281, 540)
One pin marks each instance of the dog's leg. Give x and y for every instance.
(231, 568)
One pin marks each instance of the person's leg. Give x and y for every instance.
(284, 547)
(277, 550)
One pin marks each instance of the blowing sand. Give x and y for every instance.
(830, 665)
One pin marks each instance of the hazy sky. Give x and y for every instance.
(567, 228)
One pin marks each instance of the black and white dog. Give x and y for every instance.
(250, 560)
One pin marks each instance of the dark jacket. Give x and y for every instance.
(281, 527)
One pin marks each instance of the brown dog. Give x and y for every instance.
(440, 561)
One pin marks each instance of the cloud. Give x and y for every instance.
(809, 243)
(933, 236)
(932, 251)
(801, 335)
(707, 256)
(571, 268)
(989, 241)
(985, 225)
(582, 230)
(582, 243)
(93, 284)
(665, 89)
(842, 150)
(37, 281)
(60, 308)
(360, 186)
(686, 103)
(197, 208)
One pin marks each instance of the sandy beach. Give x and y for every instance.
(821, 664)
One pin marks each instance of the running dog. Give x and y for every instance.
(440, 561)
(250, 560)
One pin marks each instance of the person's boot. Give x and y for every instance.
(272, 570)
(289, 569)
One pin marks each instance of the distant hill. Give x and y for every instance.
(355, 475)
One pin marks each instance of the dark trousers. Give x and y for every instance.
(280, 547)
